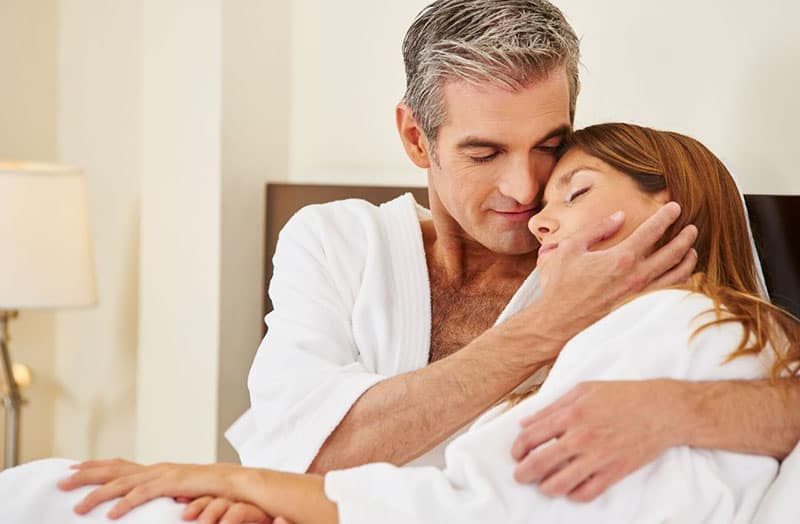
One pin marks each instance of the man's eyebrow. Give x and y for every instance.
(560, 131)
(474, 141)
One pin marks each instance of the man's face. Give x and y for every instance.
(495, 153)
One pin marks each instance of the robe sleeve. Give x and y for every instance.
(647, 338)
(307, 372)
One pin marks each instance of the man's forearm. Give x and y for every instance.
(756, 417)
(402, 417)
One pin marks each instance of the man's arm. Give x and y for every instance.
(620, 426)
(401, 418)
(758, 417)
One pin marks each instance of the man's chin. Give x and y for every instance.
(512, 246)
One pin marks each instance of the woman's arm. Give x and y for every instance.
(298, 498)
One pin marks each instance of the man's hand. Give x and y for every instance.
(603, 431)
(581, 285)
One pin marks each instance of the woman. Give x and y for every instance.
(714, 327)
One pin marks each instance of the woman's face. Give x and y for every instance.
(582, 192)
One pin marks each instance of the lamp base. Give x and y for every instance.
(12, 400)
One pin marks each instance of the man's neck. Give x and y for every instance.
(463, 262)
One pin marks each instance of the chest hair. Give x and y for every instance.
(459, 315)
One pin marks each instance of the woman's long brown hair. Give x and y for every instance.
(709, 199)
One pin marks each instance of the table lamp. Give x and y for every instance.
(45, 261)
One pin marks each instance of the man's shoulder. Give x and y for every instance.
(348, 235)
(349, 219)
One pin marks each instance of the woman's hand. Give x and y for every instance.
(136, 484)
(210, 510)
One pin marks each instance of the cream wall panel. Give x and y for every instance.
(28, 112)
(255, 140)
(99, 130)
(179, 316)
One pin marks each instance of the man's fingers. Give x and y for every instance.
(606, 229)
(542, 414)
(678, 274)
(196, 507)
(534, 435)
(670, 255)
(281, 520)
(566, 479)
(541, 463)
(595, 485)
(649, 232)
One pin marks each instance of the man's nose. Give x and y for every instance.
(520, 182)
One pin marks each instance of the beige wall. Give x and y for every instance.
(723, 71)
(347, 76)
(179, 281)
(29, 129)
(255, 138)
(99, 129)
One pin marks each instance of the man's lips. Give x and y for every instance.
(517, 216)
(546, 248)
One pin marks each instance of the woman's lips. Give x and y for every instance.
(517, 216)
(547, 248)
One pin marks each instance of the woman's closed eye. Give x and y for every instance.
(575, 194)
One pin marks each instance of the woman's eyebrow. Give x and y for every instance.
(563, 181)
(566, 178)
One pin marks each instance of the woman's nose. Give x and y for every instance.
(542, 227)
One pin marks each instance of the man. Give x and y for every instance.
(384, 342)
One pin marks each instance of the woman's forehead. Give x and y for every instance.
(570, 164)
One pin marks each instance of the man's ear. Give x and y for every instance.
(414, 140)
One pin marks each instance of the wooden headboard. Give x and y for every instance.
(284, 200)
(775, 221)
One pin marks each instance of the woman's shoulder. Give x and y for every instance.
(663, 310)
(686, 331)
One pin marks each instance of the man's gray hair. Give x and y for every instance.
(507, 43)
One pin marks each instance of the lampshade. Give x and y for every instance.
(45, 246)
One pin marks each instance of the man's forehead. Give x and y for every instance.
(490, 111)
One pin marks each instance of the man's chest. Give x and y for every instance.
(459, 316)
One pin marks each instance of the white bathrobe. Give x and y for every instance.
(647, 338)
(351, 301)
